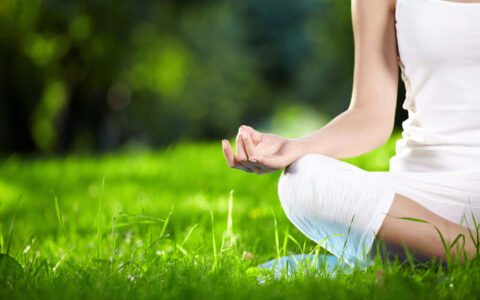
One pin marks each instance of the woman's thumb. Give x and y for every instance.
(256, 135)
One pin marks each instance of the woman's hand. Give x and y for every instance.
(261, 153)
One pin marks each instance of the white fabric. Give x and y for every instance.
(437, 162)
(343, 207)
(439, 47)
(335, 204)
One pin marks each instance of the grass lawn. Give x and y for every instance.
(156, 225)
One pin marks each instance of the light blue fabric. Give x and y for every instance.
(288, 266)
(337, 205)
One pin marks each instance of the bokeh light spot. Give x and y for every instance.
(45, 114)
(80, 27)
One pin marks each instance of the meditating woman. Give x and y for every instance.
(435, 173)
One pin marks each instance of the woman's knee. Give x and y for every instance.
(330, 199)
(303, 183)
(296, 177)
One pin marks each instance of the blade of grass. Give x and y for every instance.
(167, 219)
(58, 210)
(408, 254)
(348, 235)
(463, 245)
(214, 245)
(147, 218)
(477, 230)
(114, 241)
(100, 220)
(1, 238)
(415, 220)
(181, 249)
(295, 241)
(180, 246)
(164, 228)
(229, 220)
(285, 242)
(10, 234)
(277, 240)
(12, 225)
(442, 239)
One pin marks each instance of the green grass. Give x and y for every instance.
(166, 225)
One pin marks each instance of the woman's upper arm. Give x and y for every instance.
(375, 79)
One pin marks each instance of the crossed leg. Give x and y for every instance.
(347, 209)
(422, 239)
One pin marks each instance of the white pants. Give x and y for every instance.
(342, 207)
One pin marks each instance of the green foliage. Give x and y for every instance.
(148, 225)
(97, 75)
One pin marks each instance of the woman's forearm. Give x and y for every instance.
(352, 133)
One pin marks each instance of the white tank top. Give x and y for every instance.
(439, 50)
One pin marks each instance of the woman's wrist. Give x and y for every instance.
(298, 148)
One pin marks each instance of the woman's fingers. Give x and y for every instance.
(241, 152)
(247, 158)
(228, 153)
(248, 143)
(250, 149)
(255, 135)
(245, 154)
(232, 161)
(248, 135)
(263, 169)
(272, 163)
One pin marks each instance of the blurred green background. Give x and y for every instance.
(97, 75)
